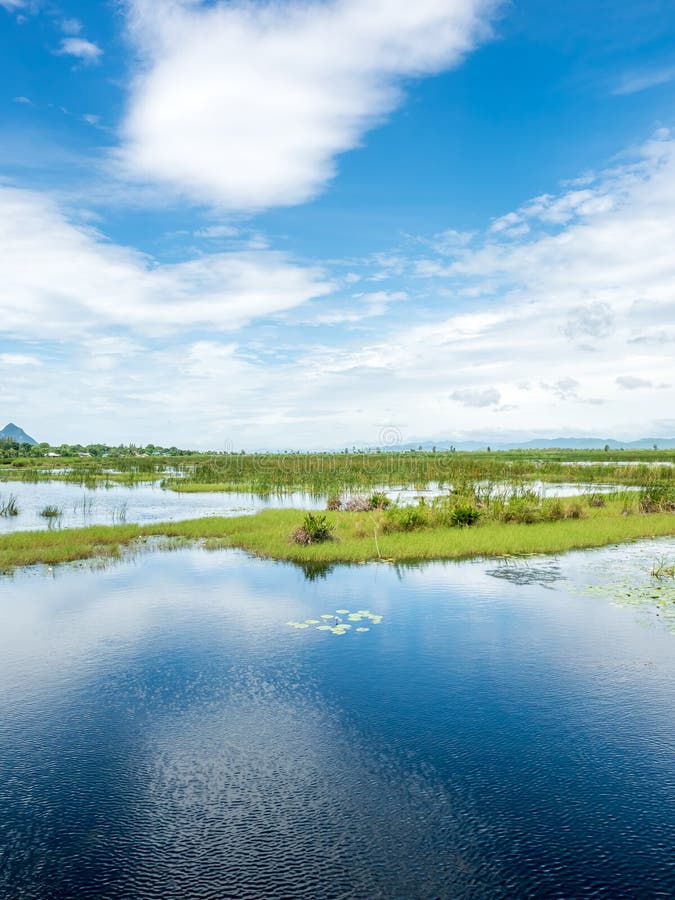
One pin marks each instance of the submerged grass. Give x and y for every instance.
(359, 537)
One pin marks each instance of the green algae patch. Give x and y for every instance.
(637, 587)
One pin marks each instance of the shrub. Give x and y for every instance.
(597, 501)
(554, 510)
(574, 511)
(315, 529)
(524, 508)
(464, 516)
(378, 500)
(334, 502)
(406, 518)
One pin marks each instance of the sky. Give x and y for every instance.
(328, 223)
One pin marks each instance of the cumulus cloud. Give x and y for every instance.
(564, 388)
(499, 313)
(11, 5)
(86, 51)
(57, 277)
(247, 104)
(477, 397)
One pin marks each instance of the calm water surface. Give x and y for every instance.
(165, 734)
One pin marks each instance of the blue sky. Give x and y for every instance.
(307, 225)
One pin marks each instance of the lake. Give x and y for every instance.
(504, 730)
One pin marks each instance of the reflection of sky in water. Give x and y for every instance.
(141, 503)
(163, 733)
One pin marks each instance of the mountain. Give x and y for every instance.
(568, 443)
(12, 432)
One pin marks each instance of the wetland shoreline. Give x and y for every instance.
(358, 538)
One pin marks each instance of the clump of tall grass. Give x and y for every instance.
(315, 529)
(50, 512)
(662, 569)
(9, 507)
(657, 498)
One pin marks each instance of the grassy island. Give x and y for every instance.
(356, 537)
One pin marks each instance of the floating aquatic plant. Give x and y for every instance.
(340, 627)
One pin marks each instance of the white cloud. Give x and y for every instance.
(58, 278)
(11, 5)
(247, 105)
(86, 51)
(477, 397)
(71, 26)
(18, 359)
(635, 82)
(600, 280)
(633, 383)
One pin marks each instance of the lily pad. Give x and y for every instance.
(363, 629)
(343, 612)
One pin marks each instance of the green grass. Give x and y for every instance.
(358, 538)
(333, 473)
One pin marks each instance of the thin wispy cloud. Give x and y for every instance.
(641, 81)
(58, 278)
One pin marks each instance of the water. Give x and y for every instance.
(143, 504)
(147, 502)
(164, 733)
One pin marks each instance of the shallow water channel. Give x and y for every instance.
(503, 730)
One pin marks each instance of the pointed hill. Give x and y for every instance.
(12, 432)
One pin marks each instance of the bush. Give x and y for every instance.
(657, 498)
(574, 511)
(378, 500)
(554, 510)
(315, 529)
(464, 516)
(334, 502)
(597, 501)
(406, 518)
(524, 508)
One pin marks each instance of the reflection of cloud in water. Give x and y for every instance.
(267, 788)
(56, 634)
